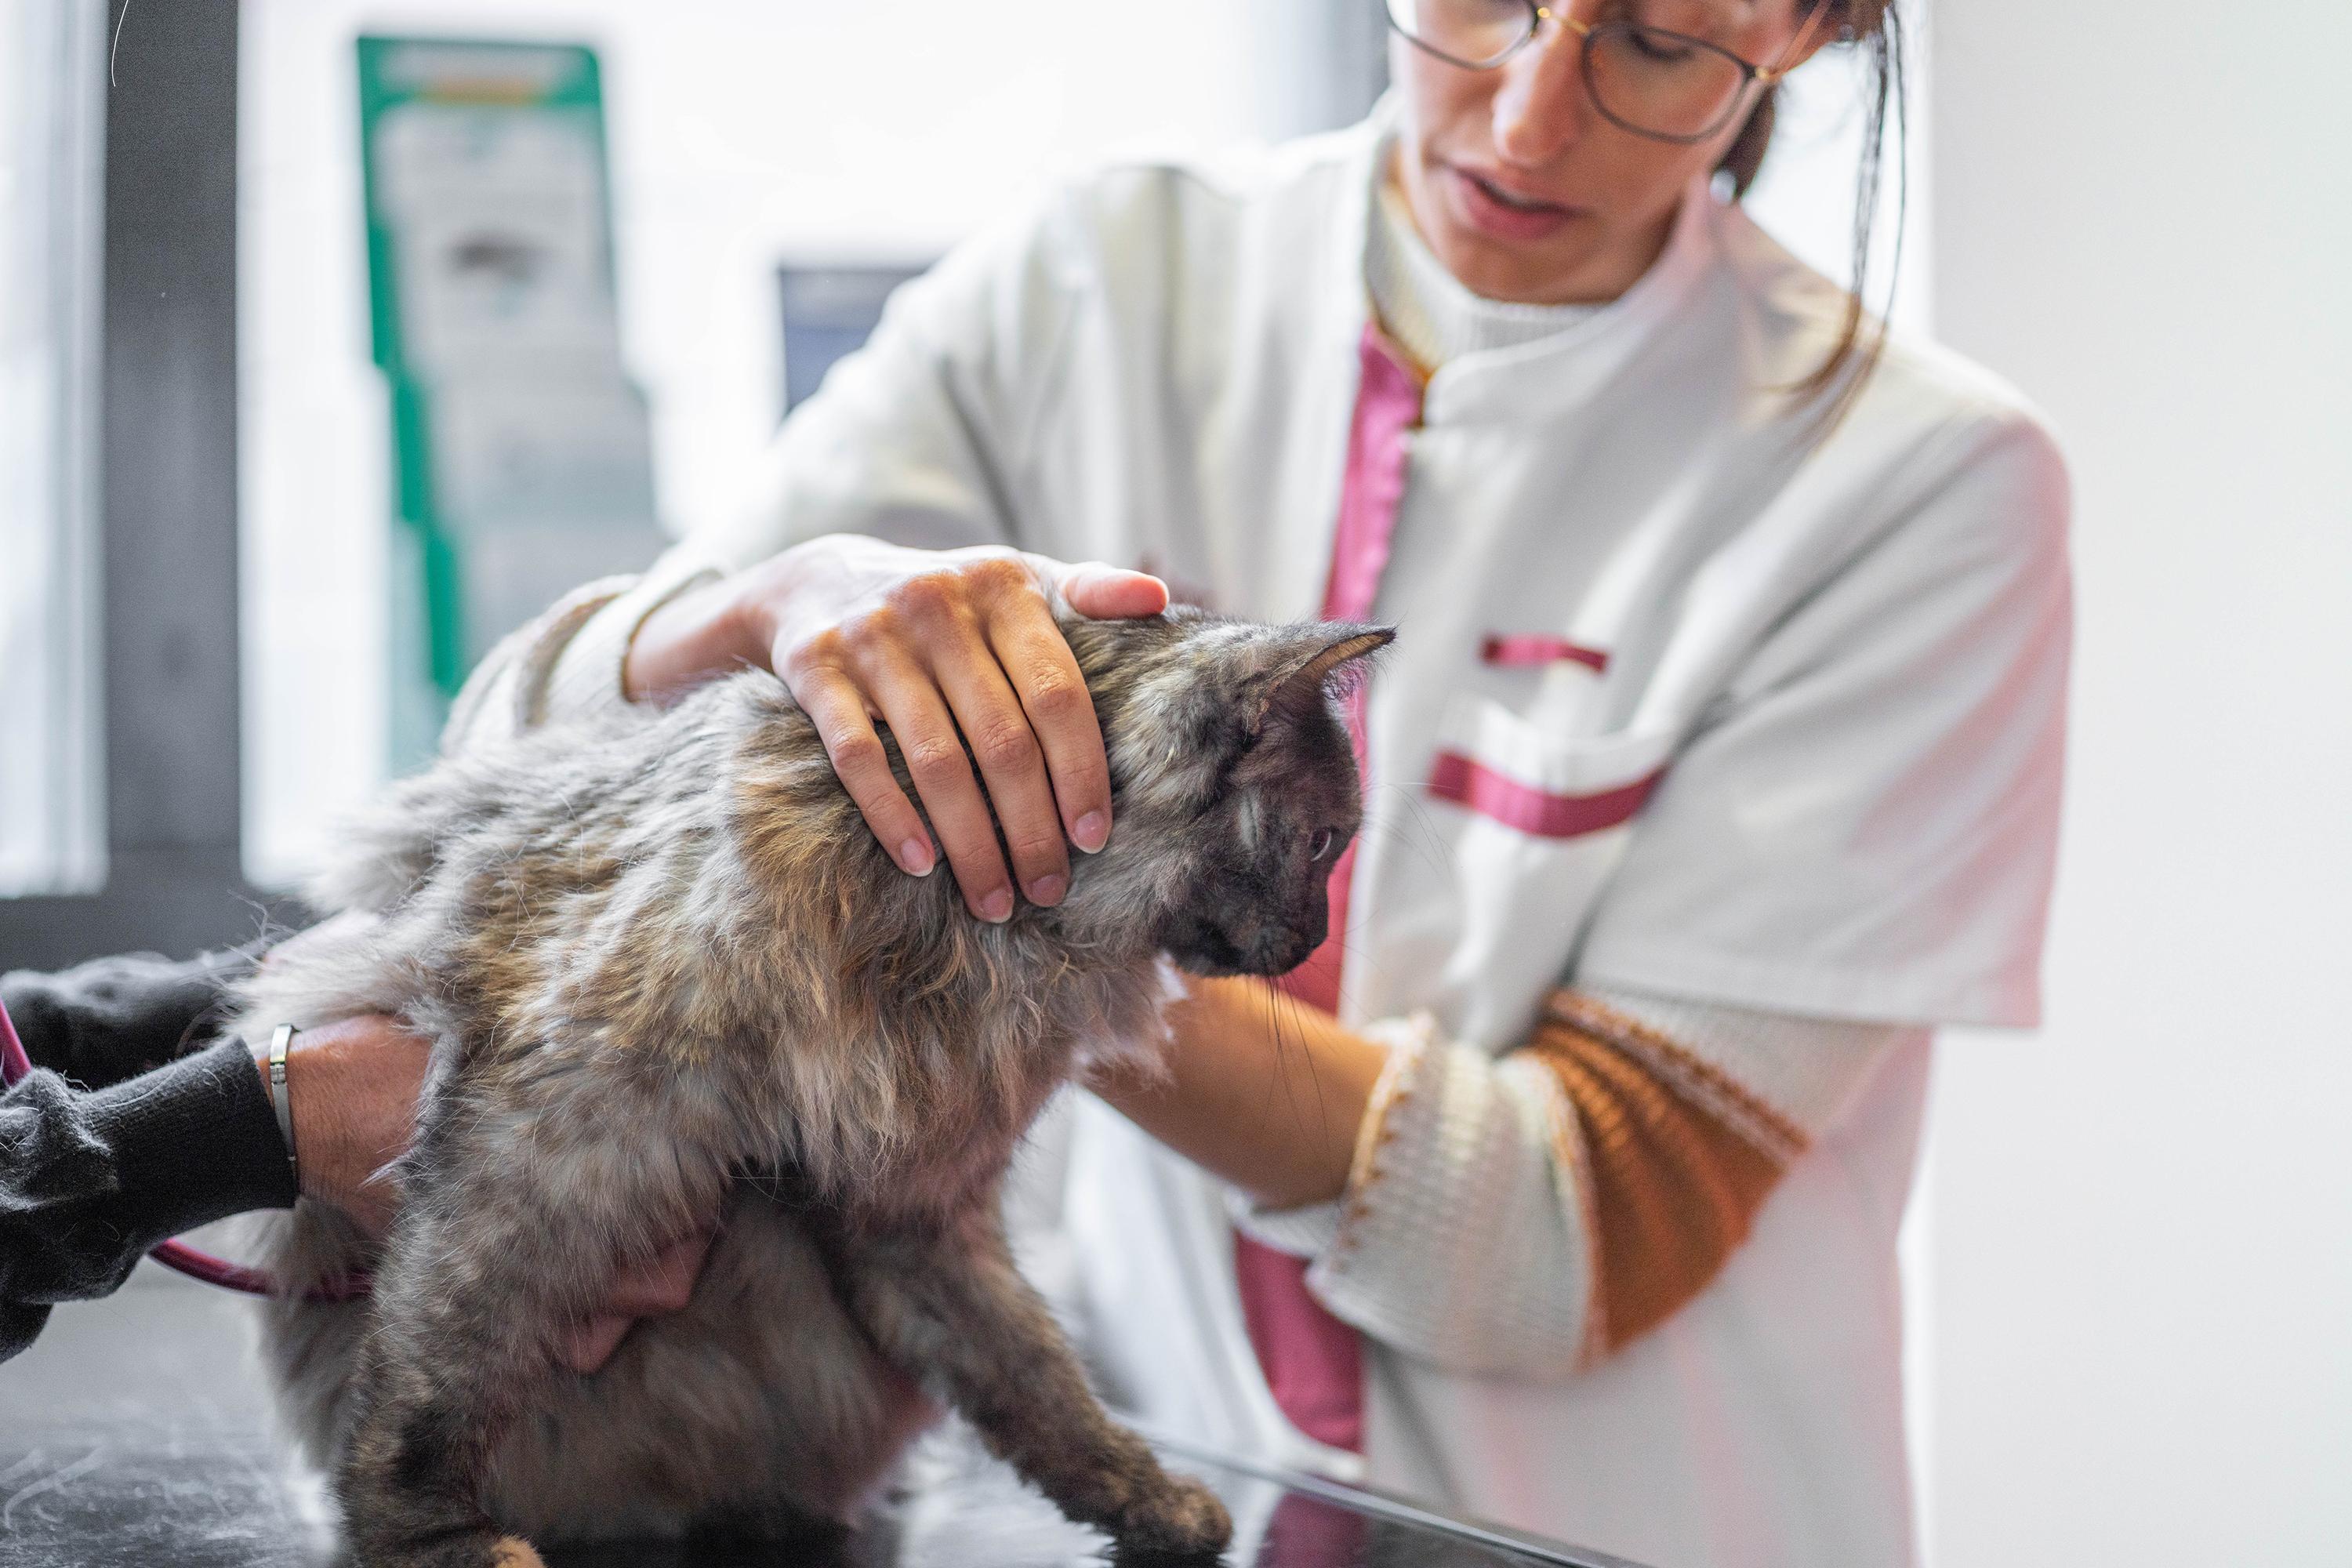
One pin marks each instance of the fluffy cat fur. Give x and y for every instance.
(669, 973)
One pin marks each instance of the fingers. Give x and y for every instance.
(663, 1284)
(586, 1348)
(882, 672)
(997, 724)
(654, 1289)
(932, 744)
(834, 703)
(1111, 592)
(958, 651)
(1060, 714)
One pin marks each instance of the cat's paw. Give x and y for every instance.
(462, 1549)
(1178, 1517)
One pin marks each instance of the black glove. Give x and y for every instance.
(114, 1019)
(152, 1147)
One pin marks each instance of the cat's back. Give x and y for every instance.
(570, 804)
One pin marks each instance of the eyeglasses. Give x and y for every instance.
(1655, 83)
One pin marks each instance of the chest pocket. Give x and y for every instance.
(1537, 820)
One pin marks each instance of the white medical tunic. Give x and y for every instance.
(1840, 661)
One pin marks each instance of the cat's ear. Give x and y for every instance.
(1312, 665)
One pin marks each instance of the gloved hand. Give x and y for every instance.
(113, 1019)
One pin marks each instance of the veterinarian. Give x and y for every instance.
(1716, 765)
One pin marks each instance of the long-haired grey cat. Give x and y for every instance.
(670, 974)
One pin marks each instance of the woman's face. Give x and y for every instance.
(1525, 191)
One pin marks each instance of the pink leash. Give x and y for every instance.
(15, 1064)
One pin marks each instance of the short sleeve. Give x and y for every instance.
(922, 437)
(1865, 825)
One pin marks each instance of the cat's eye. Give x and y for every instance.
(1321, 845)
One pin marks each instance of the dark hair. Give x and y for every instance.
(1875, 26)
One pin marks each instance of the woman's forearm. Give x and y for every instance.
(700, 634)
(1261, 1090)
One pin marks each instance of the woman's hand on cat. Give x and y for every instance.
(650, 1290)
(943, 646)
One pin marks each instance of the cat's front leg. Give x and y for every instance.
(950, 1308)
(508, 1237)
(439, 1374)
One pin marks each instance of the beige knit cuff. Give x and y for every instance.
(1302, 1232)
(585, 681)
(1454, 1243)
(1308, 1230)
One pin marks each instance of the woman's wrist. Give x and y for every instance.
(351, 1090)
(699, 634)
(1261, 1090)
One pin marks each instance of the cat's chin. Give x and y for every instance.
(1218, 960)
(1207, 953)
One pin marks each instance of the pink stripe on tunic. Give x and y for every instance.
(1467, 782)
(1522, 649)
(1312, 1361)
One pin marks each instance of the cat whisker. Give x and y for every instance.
(1399, 829)
(1286, 1005)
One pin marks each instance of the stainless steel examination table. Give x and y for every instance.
(133, 1432)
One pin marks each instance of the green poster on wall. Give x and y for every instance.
(522, 451)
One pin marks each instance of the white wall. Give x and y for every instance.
(2144, 1217)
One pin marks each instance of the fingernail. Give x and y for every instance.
(1048, 889)
(1091, 832)
(997, 908)
(916, 857)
